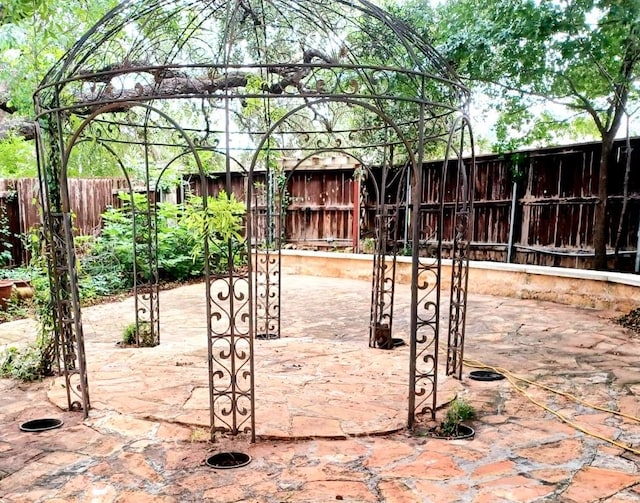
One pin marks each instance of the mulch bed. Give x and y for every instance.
(630, 320)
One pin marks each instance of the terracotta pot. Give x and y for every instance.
(6, 289)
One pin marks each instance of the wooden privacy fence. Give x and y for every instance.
(320, 211)
(89, 198)
(531, 207)
(537, 207)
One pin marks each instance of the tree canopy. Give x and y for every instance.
(546, 67)
(34, 34)
(549, 68)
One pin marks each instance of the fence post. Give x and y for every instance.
(514, 199)
(637, 267)
(355, 224)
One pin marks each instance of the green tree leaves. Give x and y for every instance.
(546, 66)
(34, 34)
(530, 57)
(17, 158)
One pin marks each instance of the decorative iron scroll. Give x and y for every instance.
(266, 213)
(462, 232)
(425, 314)
(230, 349)
(69, 338)
(146, 278)
(383, 279)
(267, 294)
(458, 304)
(147, 307)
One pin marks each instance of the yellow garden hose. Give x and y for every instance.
(513, 380)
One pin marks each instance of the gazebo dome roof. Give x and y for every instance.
(170, 48)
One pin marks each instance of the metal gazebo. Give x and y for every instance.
(249, 82)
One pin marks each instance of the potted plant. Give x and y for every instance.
(453, 426)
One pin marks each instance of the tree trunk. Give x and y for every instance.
(600, 227)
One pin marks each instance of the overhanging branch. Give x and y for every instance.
(172, 82)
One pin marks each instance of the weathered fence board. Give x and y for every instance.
(321, 208)
(89, 199)
(556, 193)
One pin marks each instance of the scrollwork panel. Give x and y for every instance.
(231, 356)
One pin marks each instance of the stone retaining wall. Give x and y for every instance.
(590, 289)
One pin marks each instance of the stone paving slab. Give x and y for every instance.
(144, 439)
(319, 380)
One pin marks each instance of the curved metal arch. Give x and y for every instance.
(304, 106)
(267, 286)
(154, 324)
(115, 106)
(383, 277)
(231, 157)
(463, 234)
(186, 153)
(75, 138)
(108, 148)
(346, 101)
(146, 290)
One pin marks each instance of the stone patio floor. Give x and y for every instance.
(331, 412)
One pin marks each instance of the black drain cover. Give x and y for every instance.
(227, 460)
(41, 424)
(485, 375)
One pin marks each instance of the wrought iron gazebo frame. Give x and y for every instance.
(179, 76)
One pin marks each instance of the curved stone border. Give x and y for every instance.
(575, 287)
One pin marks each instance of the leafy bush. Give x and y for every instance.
(17, 157)
(131, 334)
(5, 236)
(26, 364)
(15, 309)
(175, 258)
(108, 263)
(220, 225)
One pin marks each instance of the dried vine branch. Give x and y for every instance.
(171, 82)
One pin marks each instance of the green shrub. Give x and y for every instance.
(15, 309)
(132, 333)
(459, 410)
(220, 225)
(5, 239)
(26, 364)
(107, 262)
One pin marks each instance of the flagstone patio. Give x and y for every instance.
(331, 412)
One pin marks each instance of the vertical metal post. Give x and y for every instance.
(413, 321)
(77, 321)
(407, 213)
